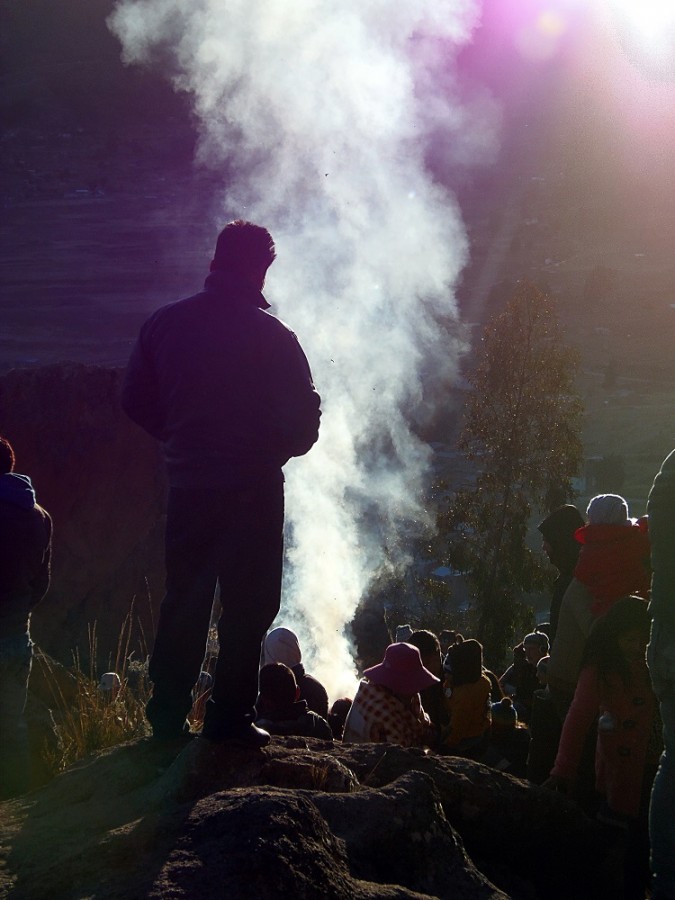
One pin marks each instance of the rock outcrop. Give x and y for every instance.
(301, 819)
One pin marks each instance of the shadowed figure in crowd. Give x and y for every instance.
(520, 679)
(226, 388)
(25, 556)
(282, 646)
(280, 708)
(433, 697)
(562, 548)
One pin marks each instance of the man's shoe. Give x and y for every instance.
(246, 733)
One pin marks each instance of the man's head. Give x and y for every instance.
(246, 249)
(6, 456)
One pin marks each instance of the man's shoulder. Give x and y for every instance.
(175, 309)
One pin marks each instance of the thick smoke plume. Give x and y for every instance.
(321, 115)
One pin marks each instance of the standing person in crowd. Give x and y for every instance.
(520, 679)
(387, 706)
(613, 562)
(282, 646)
(226, 388)
(468, 697)
(661, 660)
(562, 548)
(614, 684)
(25, 557)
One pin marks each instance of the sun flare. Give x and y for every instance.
(652, 20)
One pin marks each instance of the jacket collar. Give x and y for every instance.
(234, 288)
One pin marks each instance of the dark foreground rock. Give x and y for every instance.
(301, 819)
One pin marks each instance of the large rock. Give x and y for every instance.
(301, 819)
(102, 480)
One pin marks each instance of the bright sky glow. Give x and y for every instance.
(652, 20)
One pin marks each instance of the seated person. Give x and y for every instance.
(509, 740)
(433, 698)
(520, 680)
(387, 706)
(281, 646)
(468, 696)
(338, 715)
(279, 709)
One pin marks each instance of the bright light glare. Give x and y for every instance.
(651, 19)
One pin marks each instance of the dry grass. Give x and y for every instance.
(97, 719)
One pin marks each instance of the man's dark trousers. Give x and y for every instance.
(231, 536)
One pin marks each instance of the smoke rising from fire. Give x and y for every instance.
(320, 117)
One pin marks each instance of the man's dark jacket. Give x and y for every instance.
(224, 385)
(25, 553)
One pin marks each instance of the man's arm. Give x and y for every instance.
(140, 392)
(296, 404)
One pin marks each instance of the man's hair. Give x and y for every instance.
(7, 458)
(277, 684)
(243, 247)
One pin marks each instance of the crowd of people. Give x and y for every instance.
(226, 389)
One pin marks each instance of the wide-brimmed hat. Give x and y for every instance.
(402, 670)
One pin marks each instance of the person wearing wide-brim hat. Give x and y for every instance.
(387, 706)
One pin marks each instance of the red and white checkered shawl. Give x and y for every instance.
(378, 715)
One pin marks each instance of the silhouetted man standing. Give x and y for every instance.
(228, 391)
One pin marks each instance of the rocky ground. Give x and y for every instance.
(300, 818)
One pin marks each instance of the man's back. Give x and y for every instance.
(224, 385)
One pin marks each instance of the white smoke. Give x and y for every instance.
(323, 113)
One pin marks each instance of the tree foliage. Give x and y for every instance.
(521, 432)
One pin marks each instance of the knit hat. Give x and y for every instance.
(282, 646)
(607, 509)
(504, 714)
(403, 632)
(538, 638)
(402, 670)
